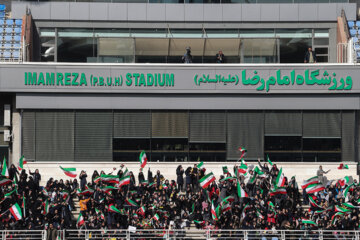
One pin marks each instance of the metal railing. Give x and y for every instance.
(83, 234)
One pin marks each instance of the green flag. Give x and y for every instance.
(268, 159)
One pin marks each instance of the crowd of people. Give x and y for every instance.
(250, 196)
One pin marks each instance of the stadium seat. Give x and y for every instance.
(16, 46)
(7, 55)
(16, 54)
(2, 7)
(17, 38)
(358, 54)
(7, 46)
(2, 14)
(357, 47)
(351, 24)
(355, 39)
(18, 31)
(357, 24)
(2, 22)
(353, 32)
(9, 30)
(1, 30)
(9, 22)
(8, 38)
(18, 22)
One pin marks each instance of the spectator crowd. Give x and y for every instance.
(249, 196)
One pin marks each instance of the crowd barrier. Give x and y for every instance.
(124, 234)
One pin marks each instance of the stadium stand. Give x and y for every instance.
(10, 35)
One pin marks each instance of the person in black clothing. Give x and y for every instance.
(180, 177)
(13, 172)
(310, 56)
(36, 177)
(220, 57)
(83, 180)
(141, 177)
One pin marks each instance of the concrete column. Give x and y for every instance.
(16, 140)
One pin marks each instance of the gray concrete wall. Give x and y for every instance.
(142, 12)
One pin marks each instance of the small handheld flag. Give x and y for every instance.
(70, 172)
(142, 159)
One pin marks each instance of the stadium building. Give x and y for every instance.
(93, 83)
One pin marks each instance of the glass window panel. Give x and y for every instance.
(186, 33)
(292, 50)
(322, 59)
(321, 41)
(321, 33)
(47, 32)
(76, 49)
(150, 59)
(322, 144)
(230, 47)
(282, 143)
(177, 46)
(152, 46)
(259, 50)
(222, 33)
(311, 1)
(75, 33)
(47, 49)
(112, 33)
(149, 33)
(116, 46)
(294, 33)
(321, 50)
(257, 33)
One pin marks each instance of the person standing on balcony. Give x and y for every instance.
(310, 56)
(220, 57)
(187, 58)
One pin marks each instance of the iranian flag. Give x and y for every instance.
(5, 171)
(308, 221)
(108, 189)
(268, 160)
(343, 166)
(131, 203)
(242, 169)
(241, 191)
(207, 180)
(45, 192)
(213, 211)
(225, 170)
(313, 203)
(46, 207)
(142, 159)
(259, 215)
(344, 181)
(4, 181)
(21, 163)
(156, 217)
(9, 194)
(70, 172)
(200, 165)
(124, 181)
(280, 180)
(225, 206)
(16, 211)
(142, 211)
(227, 179)
(310, 181)
(110, 178)
(97, 179)
(346, 191)
(230, 199)
(314, 188)
(102, 216)
(242, 151)
(349, 205)
(113, 209)
(277, 191)
(341, 209)
(260, 173)
(80, 221)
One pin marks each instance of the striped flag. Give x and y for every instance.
(242, 169)
(124, 181)
(227, 179)
(70, 172)
(230, 199)
(16, 211)
(110, 178)
(313, 203)
(200, 165)
(344, 181)
(213, 211)
(9, 194)
(21, 163)
(5, 171)
(341, 209)
(207, 180)
(45, 192)
(240, 190)
(4, 181)
(346, 191)
(277, 191)
(142, 211)
(310, 181)
(156, 217)
(131, 203)
(142, 159)
(225, 170)
(268, 159)
(314, 188)
(308, 221)
(349, 205)
(343, 166)
(225, 206)
(243, 151)
(280, 180)
(46, 207)
(112, 208)
(80, 221)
